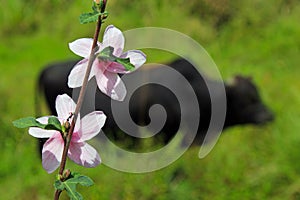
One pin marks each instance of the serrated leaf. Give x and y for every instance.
(70, 185)
(72, 193)
(107, 54)
(81, 179)
(58, 185)
(85, 181)
(28, 122)
(89, 17)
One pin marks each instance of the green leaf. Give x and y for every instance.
(58, 184)
(27, 122)
(126, 63)
(107, 54)
(81, 179)
(53, 124)
(89, 17)
(85, 181)
(70, 185)
(92, 16)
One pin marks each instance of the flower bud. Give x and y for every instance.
(67, 125)
(97, 1)
(66, 174)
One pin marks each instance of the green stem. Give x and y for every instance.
(81, 96)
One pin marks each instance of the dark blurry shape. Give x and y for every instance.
(244, 105)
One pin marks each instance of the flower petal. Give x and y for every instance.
(113, 37)
(82, 47)
(116, 68)
(84, 154)
(43, 120)
(41, 133)
(52, 153)
(111, 85)
(91, 125)
(76, 76)
(137, 58)
(64, 106)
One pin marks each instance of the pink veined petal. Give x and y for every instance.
(84, 154)
(137, 58)
(52, 153)
(91, 125)
(76, 76)
(99, 66)
(111, 85)
(82, 47)
(76, 136)
(64, 106)
(113, 37)
(116, 68)
(77, 130)
(41, 133)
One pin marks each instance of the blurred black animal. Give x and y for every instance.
(244, 105)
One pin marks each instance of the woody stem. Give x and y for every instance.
(81, 95)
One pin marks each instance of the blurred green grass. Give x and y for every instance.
(253, 38)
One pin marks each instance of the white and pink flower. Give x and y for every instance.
(86, 128)
(106, 72)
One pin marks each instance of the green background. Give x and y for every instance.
(254, 38)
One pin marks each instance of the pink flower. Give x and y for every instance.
(86, 128)
(106, 72)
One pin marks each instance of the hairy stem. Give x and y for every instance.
(81, 96)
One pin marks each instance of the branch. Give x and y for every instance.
(81, 96)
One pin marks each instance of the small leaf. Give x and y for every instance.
(53, 124)
(126, 63)
(107, 54)
(89, 17)
(70, 185)
(27, 122)
(59, 185)
(81, 179)
(85, 181)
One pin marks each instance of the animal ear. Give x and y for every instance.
(234, 81)
(238, 79)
